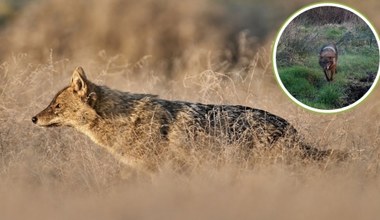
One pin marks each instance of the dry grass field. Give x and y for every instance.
(180, 50)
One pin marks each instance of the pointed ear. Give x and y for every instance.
(79, 82)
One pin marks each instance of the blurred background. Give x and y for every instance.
(171, 35)
(211, 51)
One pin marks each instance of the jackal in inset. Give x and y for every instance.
(144, 130)
(328, 59)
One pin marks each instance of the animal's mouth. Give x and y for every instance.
(49, 125)
(53, 125)
(43, 123)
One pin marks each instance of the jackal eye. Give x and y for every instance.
(57, 105)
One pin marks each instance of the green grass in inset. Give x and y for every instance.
(310, 87)
(330, 95)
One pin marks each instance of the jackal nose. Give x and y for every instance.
(34, 120)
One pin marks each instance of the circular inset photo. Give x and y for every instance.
(326, 57)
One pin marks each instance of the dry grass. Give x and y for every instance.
(60, 174)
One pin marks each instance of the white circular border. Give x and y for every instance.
(290, 19)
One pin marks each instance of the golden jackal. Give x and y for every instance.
(328, 59)
(144, 130)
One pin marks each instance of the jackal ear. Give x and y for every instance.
(79, 82)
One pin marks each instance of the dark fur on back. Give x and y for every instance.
(230, 119)
(229, 124)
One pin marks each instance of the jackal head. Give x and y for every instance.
(326, 62)
(72, 106)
